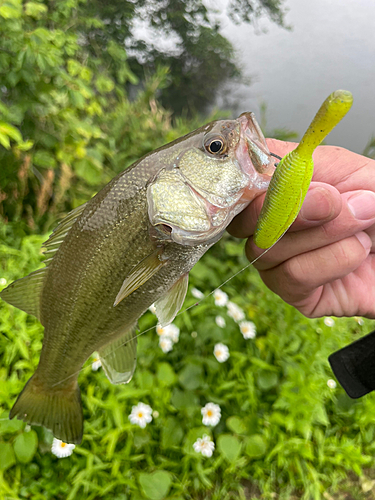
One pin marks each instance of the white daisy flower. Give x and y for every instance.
(152, 308)
(331, 384)
(329, 321)
(3, 281)
(172, 331)
(221, 352)
(235, 312)
(220, 321)
(96, 364)
(197, 293)
(221, 298)
(141, 415)
(211, 414)
(155, 414)
(61, 449)
(165, 343)
(248, 329)
(204, 445)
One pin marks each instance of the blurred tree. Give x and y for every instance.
(182, 35)
(66, 124)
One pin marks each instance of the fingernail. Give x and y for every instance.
(317, 205)
(362, 205)
(364, 240)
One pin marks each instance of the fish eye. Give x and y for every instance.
(215, 145)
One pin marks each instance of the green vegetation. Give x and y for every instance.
(66, 127)
(282, 431)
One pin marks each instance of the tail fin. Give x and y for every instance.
(59, 409)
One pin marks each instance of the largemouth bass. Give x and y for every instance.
(130, 246)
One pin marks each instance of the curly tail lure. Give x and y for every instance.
(291, 180)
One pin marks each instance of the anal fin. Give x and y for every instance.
(119, 358)
(168, 306)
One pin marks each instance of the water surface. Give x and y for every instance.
(331, 46)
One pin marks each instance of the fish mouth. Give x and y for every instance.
(254, 142)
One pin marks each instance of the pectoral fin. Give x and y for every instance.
(141, 273)
(168, 306)
(120, 358)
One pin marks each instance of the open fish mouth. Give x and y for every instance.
(254, 141)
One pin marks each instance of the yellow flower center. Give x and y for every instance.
(209, 413)
(63, 445)
(140, 414)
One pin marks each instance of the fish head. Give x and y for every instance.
(210, 176)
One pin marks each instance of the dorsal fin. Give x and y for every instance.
(25, 292)
(57, 237)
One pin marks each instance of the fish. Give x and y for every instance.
(130, 246)
(134, 243)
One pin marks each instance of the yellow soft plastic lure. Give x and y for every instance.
(291, 180)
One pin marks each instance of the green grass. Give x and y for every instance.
(283, 432)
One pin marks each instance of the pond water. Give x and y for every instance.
(331, 45)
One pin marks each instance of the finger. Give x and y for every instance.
(355, 205)
(299, 277)
(335, 166)
(322, 204)
(280, 148)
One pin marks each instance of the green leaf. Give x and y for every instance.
(256, 446)
(44, 159)
(9, 426)
(165, 374)
(12, 132)
(191, 376)
(104, 84)
(74, 67)
(25, 446)
(25, 145)
(88, 171)
(267, 380)
(36, 10)
(156, 485)
(172, 433)
(4, 141)
(236, 425)
(183, 399)
(10, 11)
(229, 446)
(7, 458)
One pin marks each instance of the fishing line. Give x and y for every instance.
(180, 312)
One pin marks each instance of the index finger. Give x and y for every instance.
(345, 170)
(322, 204)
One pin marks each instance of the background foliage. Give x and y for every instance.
(67, 126)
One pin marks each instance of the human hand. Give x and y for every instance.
(325, 263)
